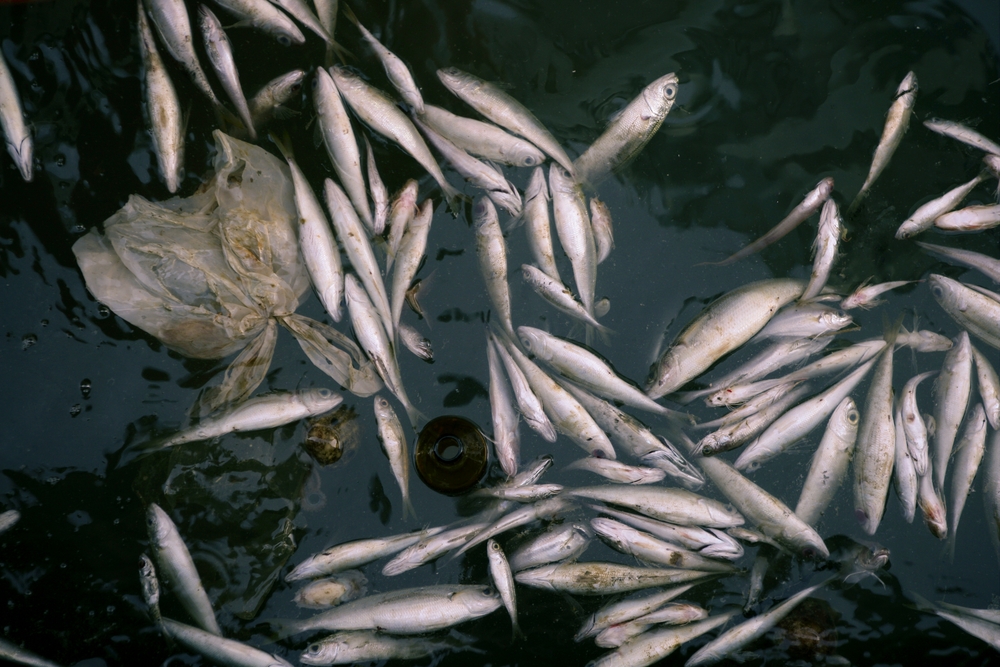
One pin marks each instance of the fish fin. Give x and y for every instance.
(516, 633)
(282, 112)
(892, 331)
(284, 144)
(351, 16)
(408, 509)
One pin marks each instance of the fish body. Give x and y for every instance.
(964, 134)
(503, 580)
(729, 322)
(707, 541)
(380, 194)
(829, 462)
(548, 508)
(390, 434)
(355, 554)
(150, 587)
(645, 547)
(341, 144)
(300, 11)
(831, 228)
(629, 131)
(974, 311)
(951, 398)
(430, 548)
(988, 266)
(8, 519)
(805, 320)
(616, 471)
(172, 23)
(381, 115)
(401, 212)
(968, 455)
(988, 384)
(482, 139)
(597, 578)
(913, 423)
(866, 296)
(176, 564)
(220, 54)
(904, 472)
(559, 543)
(162, 105)
(651, 646)
(896, 123)
(539, 230)
(600, 220)
(362, 646)
(923, 218)
(15, 131)
(220, 650)
(627, 610)
(671, 614)
(527, 402)
(395, 69)
(576, 234)
(506, 437)
(491, 250)
(991, 490)
(265, 16)
(14, 653)
(268, 102)
(665, 503)
(558, 295)
(734, 435)
(970, 219)
(408, 258)
(260, 412)
(504, 110)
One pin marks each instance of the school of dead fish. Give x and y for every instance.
(873, 439)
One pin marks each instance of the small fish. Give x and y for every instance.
(671, 614)
(150, 587)
(260, 412)
(543, 509)
(576, 234)
(506, 436)
(559, 296)
(14, 653)
(219, 649)
(539, 230)
(828, 235)
(989, 387)
(600, 220)
(482, 139)
(991, 490)
(988, 266)
(409, 256)
(504, 110)
(968, 455)
(923, 341)
(492, 253)
(974, 311)
(265, 16)
(805, 320)
(176, 564)
(527, 402)
(430, 548)
(866, 296)
(732, 436)
(970, 219)
(629, 130)
(964, 134)
(904, 472)
(645, 547)
(913, 424)
(355, 554)
(401, 212)
(331, 591)
(809, 205)
(380, 195)
(390, 434)
(268, 103)
(162, 106)
(706, 541)
(503, 580)
(923, 218)
(931, 506)
(951, 398)
(561, 542)
(521, 494)
(300, 11)
(616, 471)
(664, 503)
(395, 69)
(415, 342)
(172, 23)
(220, 54)
(896, 123)
(651, 646)
(362, 646)
(627, 610)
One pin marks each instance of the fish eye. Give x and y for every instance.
(142, 563)
(937, 291)
(284, 41)
(853, 417)
(488, 592)
(325, 393)
(313, 648)
(529, 160)
(808, 552)
(670, 90)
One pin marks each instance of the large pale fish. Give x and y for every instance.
(393, 439)
(645, 547)
(176, 565)
(219, 649)
(729, 322)
(707, 541)
(964, 134)
(504, 110)
(539, 230)
(988, 266)
(260, 412)
(220, 54)
(829, 462)
(923, 218)
(482, 139)
(341, 145)
(265, 16)
(162, 105)
(664, 503)
(355, 554)
(896, 122)
(805, 320)
(492, 253)
(629, 130)
(951, 398)
(809, 205)
(576, 234)
(597, 578)
(974, 311)
(672, 614)
(383, 116)
(970, 219)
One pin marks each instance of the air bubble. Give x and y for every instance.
(85, 386)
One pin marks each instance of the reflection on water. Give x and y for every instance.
(774, 96)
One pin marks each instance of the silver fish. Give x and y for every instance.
(974, 311)
(354, 554)
(866, 296)
(559, 543)
(964, 134)
(739, 636)
(174, 27)
(520, 494)
(341, 145)
(650, 647)
(260, 412)
(482, 139)
(331, 591)
(380, 195)
(559, 296)
(923, 218)
(409, 256)
(645, 547)
(904, 472)
(585, 368)
(707, 541)
(548, 508)
(896, 123)
(395, 69)
(968, 455)
(408, 611)
(829, 463)
(162, 105)
(13, 652)
(951, 397)
(991, 490)
(627, 610)
(758, 571)
(503, 579)
(527, 402)
(219, 649)
(989, 387)
(354, 646)
(372, 338)
(576, 234)
(390, 434)
(354, 239)
(8, 519)
(913, 424)
(876, 448)
(831, 228)
(300, 11)
(734, 435)
(504, 110)
(401, 212)
(381, 115)
(150, 587)
(740, 313)
(430, 548)
(415, 342)
(506, 437)
(970, 219)
(931, 505)
(809, 205)
(664, 503)
(629, 130)
(838, 361)
(265, 16)
(176, 564)
(539, 230)
(616, 471)
(671, 614)
(492, 253)
(17, 136)
(597, 578)
(268, 103)
(988, 266)
(220, 54)
(805, 319)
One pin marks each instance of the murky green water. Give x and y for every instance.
(770, 103)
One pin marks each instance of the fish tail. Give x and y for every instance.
(408, 510)
(351, 16)
(455, 199)
(284, 144)
(516, 633)
(892, 331)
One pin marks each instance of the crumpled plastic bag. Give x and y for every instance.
(212, 274)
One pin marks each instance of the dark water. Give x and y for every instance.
(771, 101)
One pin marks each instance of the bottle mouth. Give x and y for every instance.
(451, 455)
